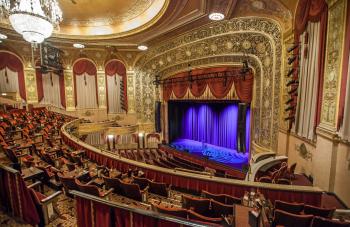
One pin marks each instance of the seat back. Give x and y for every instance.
(142, 182)
(114, 183)
(265, 179)
(195, 216)
(89, 189)
(178, 212)
(68, 182)
(132, 191)
(218, 209)
(323, 222)
(294, 208)
(283, 181)
(232, 200)
(217, 197)
(318, 211)
(200, 206)
(158, 188)
(291, 220)
(11, 155)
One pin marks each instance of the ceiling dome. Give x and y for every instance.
(111, 18)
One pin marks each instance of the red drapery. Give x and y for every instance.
(313, 11)
(219, 87)
(117, 67)
(345, 69)
(12, 62)
(84, 66)
(40, 87)
(84, 212)
(62, 91)
(16, 197)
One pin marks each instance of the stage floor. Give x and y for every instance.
(219, 154)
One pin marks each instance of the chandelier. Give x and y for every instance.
(33, 19)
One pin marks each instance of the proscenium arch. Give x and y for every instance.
(216, 43)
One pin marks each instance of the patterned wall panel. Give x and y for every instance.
(334, 54)
(101, 83)
(69, 86)
(30, 82)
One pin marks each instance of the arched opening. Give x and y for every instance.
(11, 74)
(50, 87)
(116, 87)
(85, 83)
(209, 113)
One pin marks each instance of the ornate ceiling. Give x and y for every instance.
(85, 19)
(125, 24)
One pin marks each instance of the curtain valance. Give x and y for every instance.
(219, 86)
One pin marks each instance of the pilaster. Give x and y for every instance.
(101, 84)
(30, 85)
(69, 89)
(333, 65)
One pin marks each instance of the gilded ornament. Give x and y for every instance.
(246, 44)
(229, 45)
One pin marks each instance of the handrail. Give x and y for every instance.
(9, 169)
(136, 210)
(185, 174)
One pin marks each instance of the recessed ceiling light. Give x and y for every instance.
(3, 36)
(142, 47)
(79, 45)
(0, 41)
(216, 16)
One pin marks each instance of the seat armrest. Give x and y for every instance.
(106, 193)
(34, 184)
(51, 197)
(145, 190)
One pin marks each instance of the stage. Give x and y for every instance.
(222, 155)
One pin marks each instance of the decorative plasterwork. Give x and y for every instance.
(334, 55)
(222, 43)
(30, 83)
(69, 89)
(101, 83)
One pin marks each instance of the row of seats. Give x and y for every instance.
(281, 175)
(303, 215)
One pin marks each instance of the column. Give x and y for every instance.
(101, 84)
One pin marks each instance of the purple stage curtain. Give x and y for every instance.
(213, 124)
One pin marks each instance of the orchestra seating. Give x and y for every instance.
(283, 218)
(67, 169)
(43, 202)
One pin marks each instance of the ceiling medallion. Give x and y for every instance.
(79, 45)
(3, 36)
(142, 47)
(33, 19)
(216, 16)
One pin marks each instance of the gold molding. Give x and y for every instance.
(119, 34)
(333, 64)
